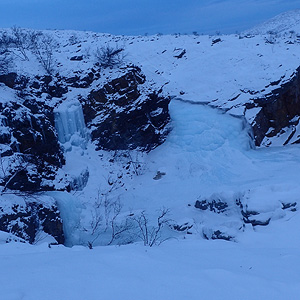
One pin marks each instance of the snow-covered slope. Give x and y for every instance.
(285, 23)
(263, 266)
(232, 72)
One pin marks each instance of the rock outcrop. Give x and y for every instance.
(29, 218)
(29, 146)
(121, 117)
(279, 114)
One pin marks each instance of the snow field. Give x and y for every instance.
(175, 270)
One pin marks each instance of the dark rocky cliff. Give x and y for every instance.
(121, 118)
(280, 112)
(28, 218)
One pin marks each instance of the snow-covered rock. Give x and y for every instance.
(31, 218)
(125, 115)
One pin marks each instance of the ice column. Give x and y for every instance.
(70, 125)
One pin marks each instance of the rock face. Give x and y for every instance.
(121, 118)
(279, 114)
(28, 219)
(29, 144)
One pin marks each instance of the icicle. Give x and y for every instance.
(70, 124)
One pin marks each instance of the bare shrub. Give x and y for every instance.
(151, 234)
(73, 39)
(43, 46)
(15, 42)
(105, 220)
(272, 36)
(109, 57)
(20, 41)
(131, 159)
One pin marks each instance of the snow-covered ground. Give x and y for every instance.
(209, 155)
(263, 265)
(207, 152)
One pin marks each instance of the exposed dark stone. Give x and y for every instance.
(51, 222)
(255, 222)
(80, 82)
(217, 235)
(181, 53)
(216, 206)
(32, 137)
(5, 137)
(183, 227)
(23, 180)
(77, 58)
(159, 175)
(9, 79)
(26, 221)
(291, 206)
(119, 119)
(35, 85)
(249, 218)
(72, 81)
(278, 109)
(215, 41)
(46, 79)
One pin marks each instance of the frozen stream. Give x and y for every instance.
(207, 155)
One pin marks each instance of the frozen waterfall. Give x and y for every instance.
(70, 125)
(73, 136)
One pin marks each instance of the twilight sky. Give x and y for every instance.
(135, 17)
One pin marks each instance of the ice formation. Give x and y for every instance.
(70, 124)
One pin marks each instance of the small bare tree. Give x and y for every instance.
(20, 41)
(151, 235)
(109, 57)
(15, 42)
(117, 228)
(105, 215)
(133, 160)
(43, 46)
